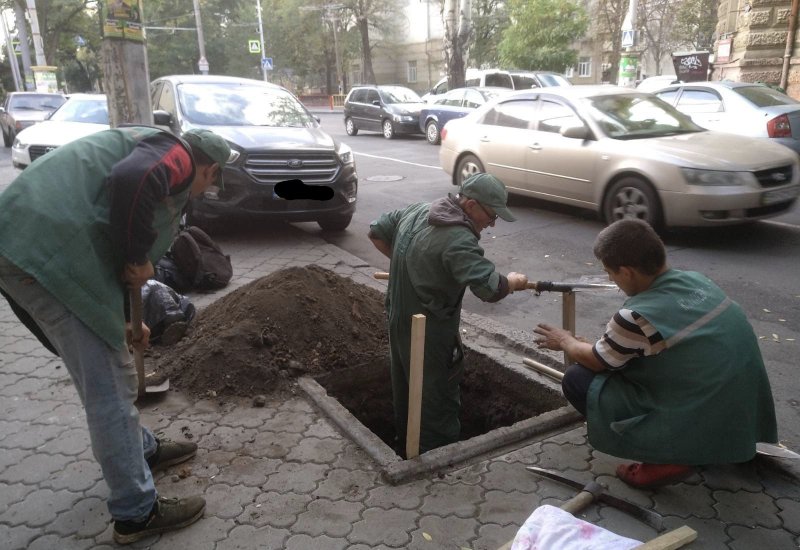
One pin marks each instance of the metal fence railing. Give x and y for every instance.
(322, 100)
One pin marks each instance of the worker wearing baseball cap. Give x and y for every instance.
(81, 226)
(435, 256)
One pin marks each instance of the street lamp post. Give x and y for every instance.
(202, 64)
(261, 37)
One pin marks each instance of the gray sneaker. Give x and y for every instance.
(167, 514)
(169, 453)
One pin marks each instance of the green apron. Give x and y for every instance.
(55, 226)
(706, 399)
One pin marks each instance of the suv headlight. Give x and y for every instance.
(695, 176)
(345, 153)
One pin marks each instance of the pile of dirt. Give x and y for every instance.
(258, 338)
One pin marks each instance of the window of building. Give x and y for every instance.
(570, 72)
(412, 71)
(585, 66)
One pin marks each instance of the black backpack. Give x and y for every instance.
(200, 261)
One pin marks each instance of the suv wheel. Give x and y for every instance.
(388, 129)
(350, 127)
(432, 133)
(338, 223)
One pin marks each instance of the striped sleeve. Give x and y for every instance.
(628, 335)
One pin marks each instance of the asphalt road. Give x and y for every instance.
(757, 264)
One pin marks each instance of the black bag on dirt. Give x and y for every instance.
(167, 313)
(200, 260)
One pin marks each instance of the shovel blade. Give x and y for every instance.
(778, 451)
(159, 388)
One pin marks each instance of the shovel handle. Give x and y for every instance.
(381, 275)
(583, 499)
(136, 330)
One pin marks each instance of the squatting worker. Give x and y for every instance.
(435, 256)
(677, 380)
(80, 225)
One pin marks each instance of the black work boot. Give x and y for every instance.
(169, 453)
(167, 514)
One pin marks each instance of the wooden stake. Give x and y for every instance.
(568, 317)
(415, 385)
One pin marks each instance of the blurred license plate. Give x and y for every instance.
(780, 195)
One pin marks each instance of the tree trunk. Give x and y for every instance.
(126, 80)
(22, 34)
(366, 52)
(457, 32)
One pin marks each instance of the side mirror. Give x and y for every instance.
(576, 132)
(376, 102)
(162, 118)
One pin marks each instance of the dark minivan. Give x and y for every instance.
(391, 110)
(274, 140)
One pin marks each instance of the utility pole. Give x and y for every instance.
(126, 78)
(37, 37)
(12, 57)
(24, 49)
(261, 37)
(202, 64)
(628, 62)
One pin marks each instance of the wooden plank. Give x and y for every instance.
(415, 385)
(672, 539)
(568, 318)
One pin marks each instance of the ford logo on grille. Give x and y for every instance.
(295, 163)
(779, 176)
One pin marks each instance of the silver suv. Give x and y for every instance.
(282, 166)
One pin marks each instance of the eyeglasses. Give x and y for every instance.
(492, 217)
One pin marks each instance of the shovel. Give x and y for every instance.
(138, 352)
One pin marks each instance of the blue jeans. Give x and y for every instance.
(107, 385)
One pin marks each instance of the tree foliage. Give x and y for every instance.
(608, 17)
(696, 22)
(373, 19)
(657, 24)
(542, 33)
(489, 18)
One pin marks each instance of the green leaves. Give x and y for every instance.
(541, 33)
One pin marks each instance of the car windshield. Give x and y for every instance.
(224, 104)
(762, 96)
(36, 102)
(637, 116)
(398, 94)
(554, 80)
(94, 111)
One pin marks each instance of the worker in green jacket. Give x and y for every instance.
(435, 256)
(81, 226)
(677, 380)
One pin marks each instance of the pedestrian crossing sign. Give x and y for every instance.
(627, 38)
(254, 46)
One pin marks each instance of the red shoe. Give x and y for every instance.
(646, 476)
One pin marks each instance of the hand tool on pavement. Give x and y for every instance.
(778, 451)
(549, 286)
(138, 353)
(543, 369)
(593, 491)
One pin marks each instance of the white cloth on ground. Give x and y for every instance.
(551, 528)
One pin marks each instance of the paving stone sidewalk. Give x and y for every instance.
(282, 476)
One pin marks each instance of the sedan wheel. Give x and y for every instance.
(469, 165)
(632, 198)
(388, 129)
(350, 127)
(432, 133)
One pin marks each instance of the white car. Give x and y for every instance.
(622, 154)
(80, 116)
(740, 108)
(655, 83)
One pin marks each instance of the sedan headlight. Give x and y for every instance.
(718, 177)
(19, 145)
(345, 154)
(403, 118)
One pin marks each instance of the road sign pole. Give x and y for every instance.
(628, 60)
(261, 36)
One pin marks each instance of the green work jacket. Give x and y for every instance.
(55, 226)
(705, 399)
